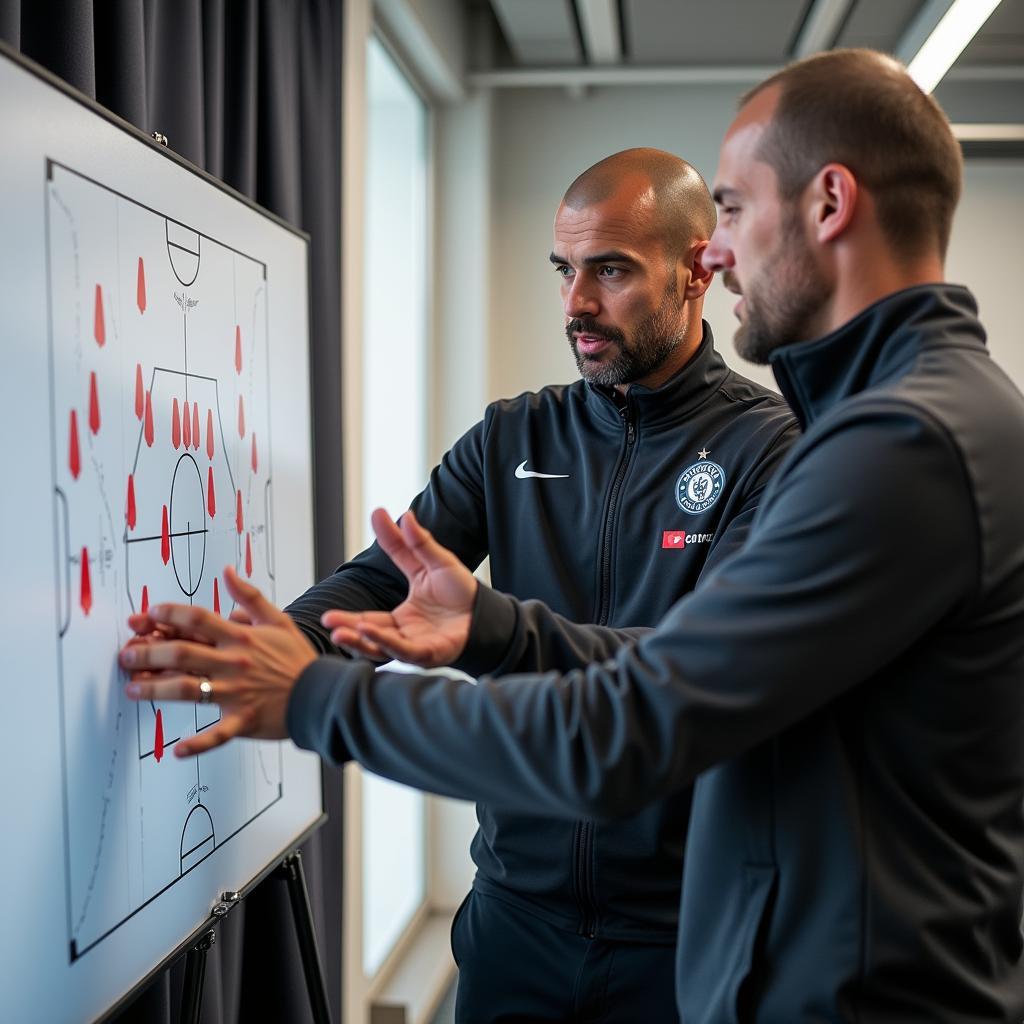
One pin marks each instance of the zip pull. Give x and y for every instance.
(630, 431)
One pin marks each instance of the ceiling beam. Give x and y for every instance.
(621, 75)
(728, 74)
(991, 141)
(599, 23)
(821, 27)
(539, 31)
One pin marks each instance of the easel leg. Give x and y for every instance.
(195, 975)
(291, 871)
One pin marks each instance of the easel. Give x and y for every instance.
(289, 871)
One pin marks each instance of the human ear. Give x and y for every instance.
(699, 277)
(833, 194)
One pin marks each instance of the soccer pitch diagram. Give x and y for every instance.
(160, 399)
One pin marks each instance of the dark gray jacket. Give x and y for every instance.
(849, 688)
(590, 542)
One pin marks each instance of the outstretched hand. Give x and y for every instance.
(431, 626)
(250, 663)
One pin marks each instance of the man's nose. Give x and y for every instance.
(718, 256)
(581, 298)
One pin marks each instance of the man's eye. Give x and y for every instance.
(606, 271)
(562, 270)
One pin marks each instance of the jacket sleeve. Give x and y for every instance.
(452, 507)
(869, 542)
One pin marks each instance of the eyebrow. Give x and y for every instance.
(596, 260)
(722, 193)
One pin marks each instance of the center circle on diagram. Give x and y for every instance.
(188, 525)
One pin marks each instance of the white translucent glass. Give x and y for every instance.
(394, 421)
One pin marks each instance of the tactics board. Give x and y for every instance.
(157, 377)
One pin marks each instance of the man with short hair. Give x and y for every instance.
(848, 689)
(607, 499)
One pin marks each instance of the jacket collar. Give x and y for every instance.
(874, 346)
(677, 398)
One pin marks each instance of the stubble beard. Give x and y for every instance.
(785, 309)
(655, 339)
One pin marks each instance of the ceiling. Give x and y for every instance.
(553, 34)
(582, 43)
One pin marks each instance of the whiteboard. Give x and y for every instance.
(155, 406)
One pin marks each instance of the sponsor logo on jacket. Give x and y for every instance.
(680, 538)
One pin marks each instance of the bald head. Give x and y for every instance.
(680, 206)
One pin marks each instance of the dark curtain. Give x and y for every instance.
(249, 90)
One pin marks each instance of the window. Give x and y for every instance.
(395, 430)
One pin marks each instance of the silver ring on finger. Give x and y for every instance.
(205, 691)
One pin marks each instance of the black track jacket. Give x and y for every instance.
(602, 539)
(849, 688)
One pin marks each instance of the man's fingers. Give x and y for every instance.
(192, 622)
(252, 600)
(216, 736)
(391, 643)
(141, 623)
(145, 628)
(184, 655)
(241, 616)
(355, 643)
(336, 617)
(170, 686)
(430, 553)
(394, 544)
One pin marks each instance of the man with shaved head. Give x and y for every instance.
(608, 499)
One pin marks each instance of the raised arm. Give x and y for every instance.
(812, 605)
(451, 505)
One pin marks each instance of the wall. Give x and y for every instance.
(987, 254)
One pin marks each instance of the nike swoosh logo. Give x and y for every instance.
(522, 473)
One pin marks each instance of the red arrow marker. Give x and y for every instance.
(248, 555)
(165, 539)
(186, 427)
(175, 425)
(74, 455)
(254, 462)
(140, 287)
(239, 524)
(86, 594)
(94, 404)
(140, 398)
(195, 425)
(130, 513)
(99, 326)
(148, 427)
(211, 496)
(241, 417)
(209, 433)
(216, 596)
(158, 738)
(144, 604)
(238, 349)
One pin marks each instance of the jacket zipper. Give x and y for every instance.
(583, 835)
